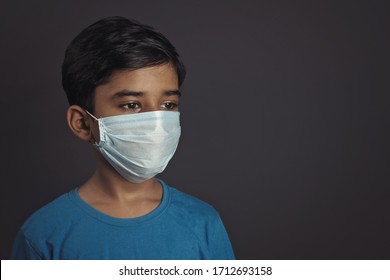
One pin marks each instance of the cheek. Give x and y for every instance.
(95, 133)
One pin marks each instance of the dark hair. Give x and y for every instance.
(110, 44)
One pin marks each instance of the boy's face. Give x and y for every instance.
(136, 91)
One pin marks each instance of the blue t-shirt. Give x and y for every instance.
(181, 227)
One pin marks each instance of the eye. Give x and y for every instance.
(131, 106)
(170, 105)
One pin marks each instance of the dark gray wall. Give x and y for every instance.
(285, 117)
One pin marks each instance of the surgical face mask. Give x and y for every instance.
(139, 146)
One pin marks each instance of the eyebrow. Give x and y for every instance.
(125, 92)
(172, 92)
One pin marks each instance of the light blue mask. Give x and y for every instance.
(139, 146)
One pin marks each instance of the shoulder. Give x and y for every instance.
(201, 220)
(191, 212)
(191, 205)
(44, 228)
(53, 215)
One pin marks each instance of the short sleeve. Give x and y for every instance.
(220, 246)
(22, 249)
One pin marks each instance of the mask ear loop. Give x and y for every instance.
(95, 143)
(91, 115)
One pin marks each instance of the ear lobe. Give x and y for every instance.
(79, 122)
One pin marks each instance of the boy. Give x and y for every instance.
(122, 81)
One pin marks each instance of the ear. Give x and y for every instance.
(81, 124)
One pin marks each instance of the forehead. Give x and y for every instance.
(156, 78)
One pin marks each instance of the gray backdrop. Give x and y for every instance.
(285, 116)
